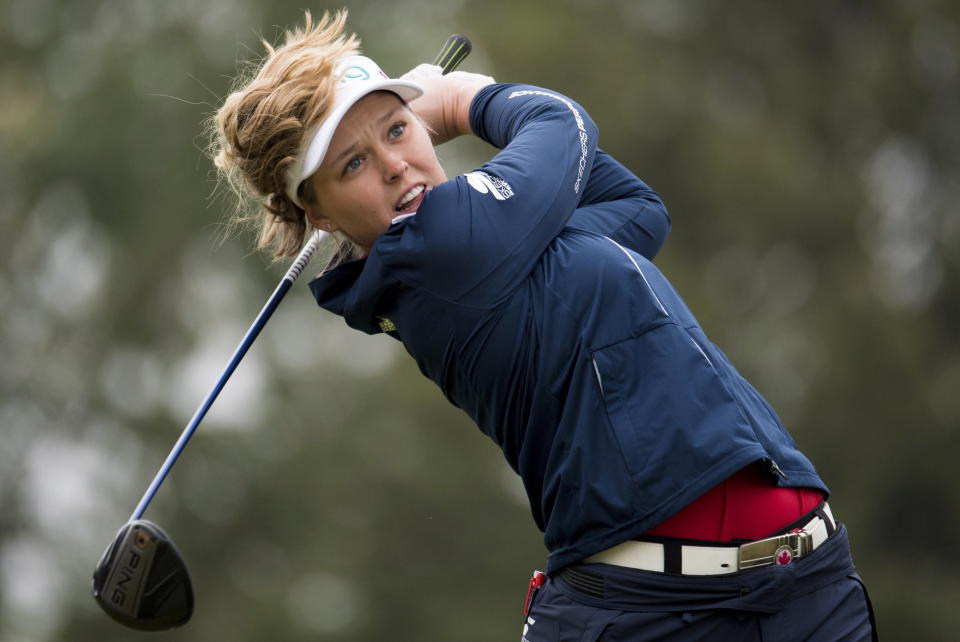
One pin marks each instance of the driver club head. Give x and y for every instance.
(141, 580)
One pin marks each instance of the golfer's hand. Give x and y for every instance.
(445, 104)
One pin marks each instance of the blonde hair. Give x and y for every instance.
(258, 131)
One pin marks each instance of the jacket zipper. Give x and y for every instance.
(773, 468)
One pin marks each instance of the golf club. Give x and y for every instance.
(141, 580)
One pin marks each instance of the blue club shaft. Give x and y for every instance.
(285, 284)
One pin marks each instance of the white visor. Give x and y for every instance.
(358, 77)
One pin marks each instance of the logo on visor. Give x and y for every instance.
(355, 73)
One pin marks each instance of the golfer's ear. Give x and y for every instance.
(318, 220)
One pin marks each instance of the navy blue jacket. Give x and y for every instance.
(525, 291)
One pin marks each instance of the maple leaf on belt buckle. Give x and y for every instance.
(779, 549)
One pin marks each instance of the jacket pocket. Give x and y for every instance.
(668, 406)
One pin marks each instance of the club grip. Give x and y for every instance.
(454, 50)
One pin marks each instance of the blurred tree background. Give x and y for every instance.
(808, 154)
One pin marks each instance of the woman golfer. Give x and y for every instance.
(674, 505)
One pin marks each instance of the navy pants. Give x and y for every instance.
(818, 597)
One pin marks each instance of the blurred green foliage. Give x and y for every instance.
(809, 157)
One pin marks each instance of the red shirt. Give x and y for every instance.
(748, 505)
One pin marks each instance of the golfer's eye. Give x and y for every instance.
(352, 165)
(396, 131)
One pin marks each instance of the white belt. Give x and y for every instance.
(717, 560)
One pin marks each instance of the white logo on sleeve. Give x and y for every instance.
(488, 183)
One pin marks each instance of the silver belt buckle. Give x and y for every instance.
(779, 549)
